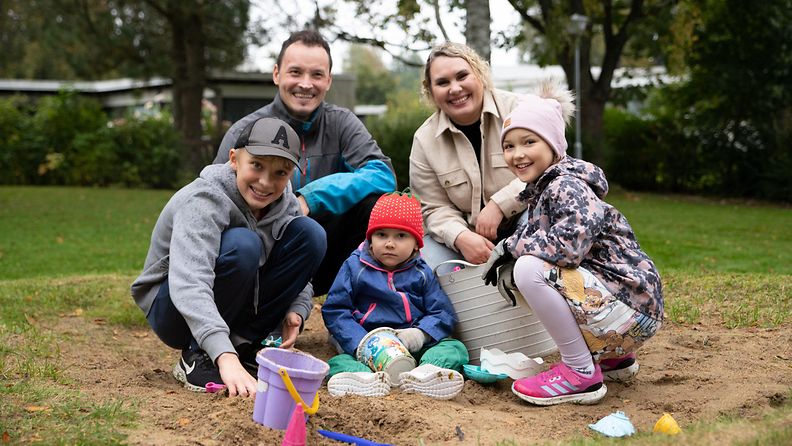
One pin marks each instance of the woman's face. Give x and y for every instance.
(456, 90)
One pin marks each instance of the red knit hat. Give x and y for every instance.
(397, 210)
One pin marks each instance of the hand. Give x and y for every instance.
(500, 256)
(474, 247)
(304, 205)
(291, 328)
(488, 220)
(412, 338)
(235, 377)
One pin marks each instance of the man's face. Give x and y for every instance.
(303, 78)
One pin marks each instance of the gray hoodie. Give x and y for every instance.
(185, 244)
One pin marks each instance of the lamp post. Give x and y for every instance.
(576, 27)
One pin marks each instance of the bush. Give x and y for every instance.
(631, 141)
(14, 132)
(394, 131)
(149, 153)
(67, 140)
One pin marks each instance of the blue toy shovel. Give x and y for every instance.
(349, 439)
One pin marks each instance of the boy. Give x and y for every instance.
(230, 259)
(386, 283)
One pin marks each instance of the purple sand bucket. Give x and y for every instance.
(274, 404)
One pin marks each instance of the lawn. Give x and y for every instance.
(74, 251)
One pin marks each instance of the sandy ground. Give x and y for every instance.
(695, 372)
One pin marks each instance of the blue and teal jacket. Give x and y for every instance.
(366, 296)
(341, 162)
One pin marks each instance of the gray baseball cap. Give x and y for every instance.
(270, 136)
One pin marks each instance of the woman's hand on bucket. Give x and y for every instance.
(235, 376)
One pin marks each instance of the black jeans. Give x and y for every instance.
(345, 233)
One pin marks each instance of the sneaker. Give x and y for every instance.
(561, 385)
(621, 369)
(359, 383)
(432, 381)
(247, 356)
(194, 369)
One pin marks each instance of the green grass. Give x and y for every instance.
(699, 235)
(64, 231)
(74, 252)
(60, 231)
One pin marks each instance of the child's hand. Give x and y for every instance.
(488, 220)
(291, 328)
(412, 338)
(235, 377)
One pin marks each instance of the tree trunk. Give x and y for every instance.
(189, 80)
(593, 97)
(477, 27)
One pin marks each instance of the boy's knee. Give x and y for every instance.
(312, 234)
(240, 246)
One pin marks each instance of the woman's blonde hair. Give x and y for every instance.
(479, 66)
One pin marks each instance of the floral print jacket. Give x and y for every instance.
(568, 225)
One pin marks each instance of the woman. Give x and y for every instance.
(456, 163)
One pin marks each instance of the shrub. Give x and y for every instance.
(15, 156)
(149, 152)
(631, 141)
(67, 140)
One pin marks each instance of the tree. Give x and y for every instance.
(374, 81)
(477, 27)
(736, 106)
(143, 38)
(617, 21)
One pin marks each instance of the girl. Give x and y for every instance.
(578, 263)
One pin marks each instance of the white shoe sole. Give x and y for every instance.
(577, 398)
(433, 381)
(359, 383)
(621, 375)
(180, 376)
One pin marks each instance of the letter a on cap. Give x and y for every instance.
(281, 138)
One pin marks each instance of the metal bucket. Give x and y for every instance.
(486, 320)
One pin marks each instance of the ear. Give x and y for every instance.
(233, 159)
(330, 76)
(275, 73)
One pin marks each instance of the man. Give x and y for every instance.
(343, 169)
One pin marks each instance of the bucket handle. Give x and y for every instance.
(453, 262)
(296, 396)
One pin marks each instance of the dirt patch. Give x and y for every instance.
(694, 372)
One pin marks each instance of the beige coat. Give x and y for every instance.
(451, 183)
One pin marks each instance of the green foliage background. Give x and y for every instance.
(68, 140)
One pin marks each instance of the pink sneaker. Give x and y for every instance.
(621, 369)
(561, 385)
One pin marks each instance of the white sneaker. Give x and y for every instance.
(432, 381)
(359, 383)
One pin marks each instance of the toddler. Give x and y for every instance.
(385, 283)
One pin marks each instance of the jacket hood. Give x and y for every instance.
(583, 170)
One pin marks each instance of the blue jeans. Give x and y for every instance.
(289, 267)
